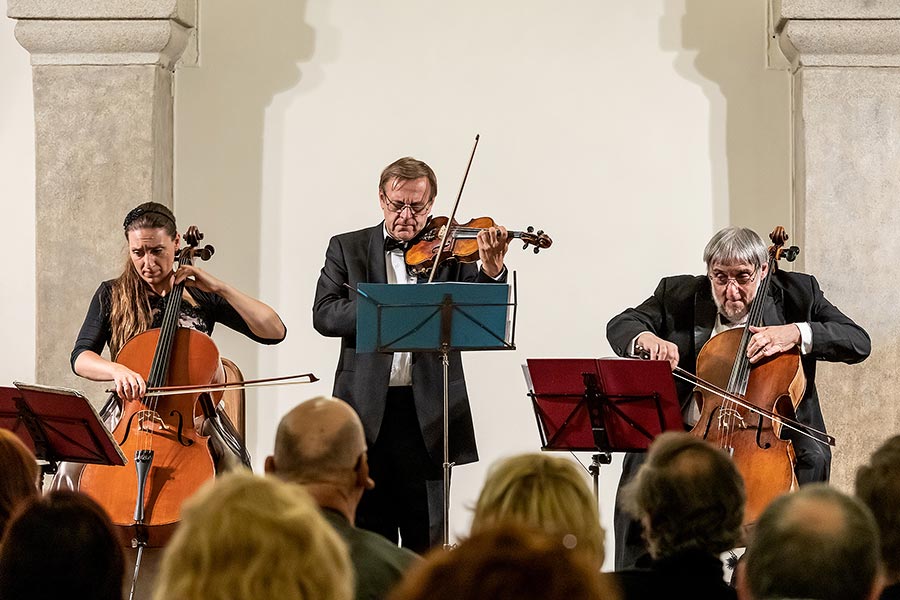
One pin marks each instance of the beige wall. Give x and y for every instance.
(628, 131)
(17, 294)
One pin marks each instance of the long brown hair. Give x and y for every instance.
(20, 475)
(129, 312)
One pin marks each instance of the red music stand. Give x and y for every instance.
(602, 405)
(57, 424)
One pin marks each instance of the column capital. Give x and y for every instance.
(102, 32)
(824, 33)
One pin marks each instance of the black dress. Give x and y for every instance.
(202, 315)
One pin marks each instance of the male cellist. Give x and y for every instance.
(686, 310)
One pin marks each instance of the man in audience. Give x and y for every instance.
(878, 485)
(689, 498)
(321, 445)
(816, 543)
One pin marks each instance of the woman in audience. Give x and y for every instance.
(245, 537)
(689, 497)
(507, 561)
(545, 492)
(19, 475)
(61, 545)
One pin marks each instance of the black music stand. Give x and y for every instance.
(57, 424)
(436, 317)
(602, 405)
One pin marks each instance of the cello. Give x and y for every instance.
(775, 386)
(171, 460)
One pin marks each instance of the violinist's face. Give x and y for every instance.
(741, 281)
(152, 253)
(413, 196)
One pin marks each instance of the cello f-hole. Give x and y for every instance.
(181, 440)
(759, 428)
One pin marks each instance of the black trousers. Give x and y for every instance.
(406, 504)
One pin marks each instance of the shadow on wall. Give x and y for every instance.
(226, 118)
(721, 46)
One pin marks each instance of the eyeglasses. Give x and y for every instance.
(722, 279)
(417, 209)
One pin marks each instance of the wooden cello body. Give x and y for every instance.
(170, 458)
(765, 461)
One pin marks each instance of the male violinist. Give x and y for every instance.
(685, 311)
(399, 396)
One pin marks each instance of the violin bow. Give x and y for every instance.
(229, 385)
(437, 259)
(776, 418)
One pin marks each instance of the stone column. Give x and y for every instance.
(845, 59)
(102, 76)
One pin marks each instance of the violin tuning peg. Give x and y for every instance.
(525, 245)
(530, 229)
(537, 249)
(540, 232)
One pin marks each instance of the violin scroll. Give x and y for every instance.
(538, 239)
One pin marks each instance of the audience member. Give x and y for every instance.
(20, 475)
(61, 545)
(816, 543)
(506, 562)
(689, 498)
(321, 445)
(878, 485)
(545, 492)
(245, 537)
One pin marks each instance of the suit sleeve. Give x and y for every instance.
(648, 316)
(334, 312)
(835, 336)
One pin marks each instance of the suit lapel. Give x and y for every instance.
(704, 315)
(773, 306)
(375, 265)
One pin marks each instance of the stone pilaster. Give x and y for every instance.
(102, 77)
(846, 119)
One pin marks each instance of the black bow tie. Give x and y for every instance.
(392, 244)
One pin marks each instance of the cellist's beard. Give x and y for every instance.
(731, 313)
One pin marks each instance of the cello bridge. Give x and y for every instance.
(147, 418)
(730, 416)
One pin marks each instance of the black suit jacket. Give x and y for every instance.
(362, 379)
(682, 311)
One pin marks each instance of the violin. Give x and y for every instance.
(461, 242)
(171, 458)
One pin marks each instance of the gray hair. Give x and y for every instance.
(736, 245)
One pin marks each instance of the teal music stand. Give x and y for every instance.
(436, 317)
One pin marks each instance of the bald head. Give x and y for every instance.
(805, 540)
(319, 441)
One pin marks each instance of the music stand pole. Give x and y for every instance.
(446, 321)
(603, 458)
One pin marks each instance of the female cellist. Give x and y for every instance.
(686, 310)
(132, 303)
